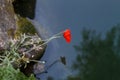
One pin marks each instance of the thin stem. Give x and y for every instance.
(58, 34)
(52, 64)
(53, 37)
(37, 61)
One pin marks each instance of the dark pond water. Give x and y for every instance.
(57, 15)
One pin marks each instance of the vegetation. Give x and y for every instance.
(98, 58)
(7, 72)
(14, 56)
(20, 42)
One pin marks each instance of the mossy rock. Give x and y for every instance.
(24, 26)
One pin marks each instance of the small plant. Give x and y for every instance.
(18, 51)
(13, 57)
(7, 72)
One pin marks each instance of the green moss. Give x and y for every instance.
(24, 26)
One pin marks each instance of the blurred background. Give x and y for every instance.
(93, 53)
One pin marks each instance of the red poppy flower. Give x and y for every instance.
(67, 35)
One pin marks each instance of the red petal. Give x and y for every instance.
(67, 35)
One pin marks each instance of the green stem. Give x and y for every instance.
(48, 40)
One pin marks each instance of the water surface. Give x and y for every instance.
(57, 15)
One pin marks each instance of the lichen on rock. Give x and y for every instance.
(7, 19)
